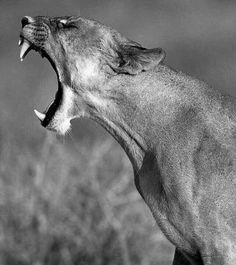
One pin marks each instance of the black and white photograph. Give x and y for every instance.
(117, 132)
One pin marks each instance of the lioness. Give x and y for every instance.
(179, 134)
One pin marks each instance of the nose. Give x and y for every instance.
(27, 20)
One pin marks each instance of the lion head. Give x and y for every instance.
(85, 55)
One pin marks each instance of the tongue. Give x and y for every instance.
(25, 48)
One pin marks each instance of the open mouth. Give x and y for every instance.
(45, 117)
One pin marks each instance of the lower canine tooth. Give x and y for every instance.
(40, 115)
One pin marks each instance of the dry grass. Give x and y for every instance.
(74, 206)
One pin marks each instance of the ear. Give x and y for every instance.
(134, 59)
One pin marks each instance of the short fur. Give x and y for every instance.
(179, 133)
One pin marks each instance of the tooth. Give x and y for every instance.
(41, 116)
(20, 42)
(24, 49)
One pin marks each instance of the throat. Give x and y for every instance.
(117, 108)
(132, 143)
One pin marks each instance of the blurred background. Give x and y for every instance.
(71, 200)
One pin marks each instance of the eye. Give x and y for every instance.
(62, 23)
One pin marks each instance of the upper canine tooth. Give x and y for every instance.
(40, 115)
(20, 41)
(24, 49)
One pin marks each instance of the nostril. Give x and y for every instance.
(26, 20)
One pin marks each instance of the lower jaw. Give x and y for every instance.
(60, 128)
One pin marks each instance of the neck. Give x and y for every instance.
(123, 108)
(131, 142)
